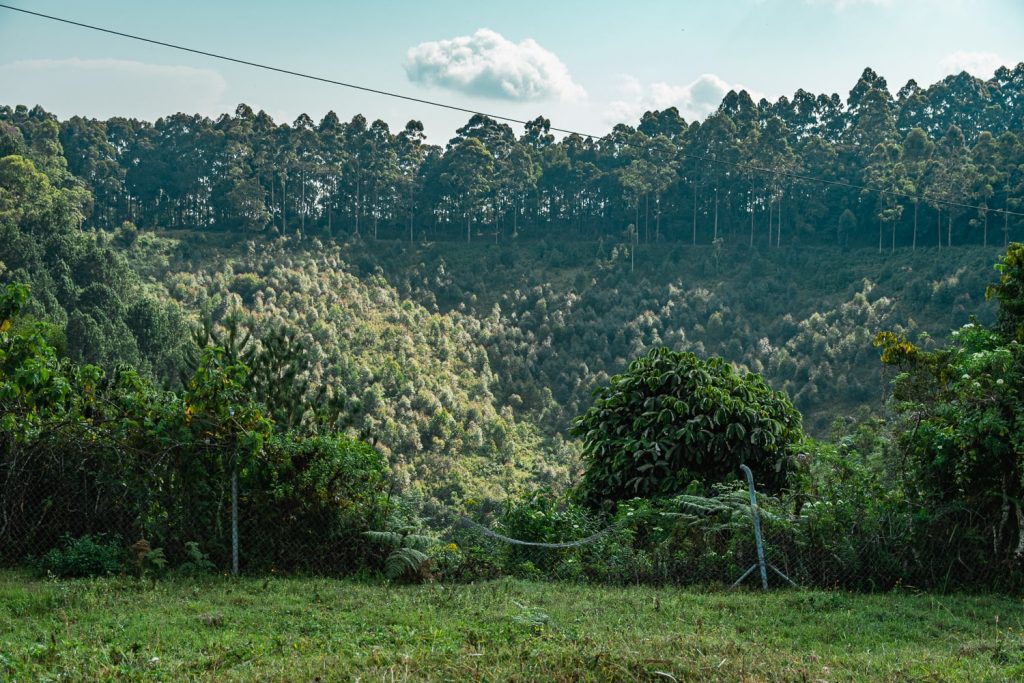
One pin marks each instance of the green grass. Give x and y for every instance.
(507, 630)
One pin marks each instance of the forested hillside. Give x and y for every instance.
(465, 363)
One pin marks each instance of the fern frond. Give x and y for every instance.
(392, 539)
(404, 561)
(418, 541)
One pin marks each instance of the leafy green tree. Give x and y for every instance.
(962, 412)
(672, 419)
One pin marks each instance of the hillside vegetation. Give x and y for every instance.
(285, 321)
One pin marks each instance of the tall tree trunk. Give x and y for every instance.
(893, 250)
(284, 205)
(879, 233)
(647, 217)
(716, 214)
(778, 229)
(949, 228)
(694, 213)
(913, 243)
(938, 223)
(657, 217)
(515, 215)
(751, 215)
(984, 239)
(358, 198)
(412, 217)
(1006, 228)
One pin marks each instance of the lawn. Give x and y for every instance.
(284, 629)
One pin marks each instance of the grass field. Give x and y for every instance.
(507, 630)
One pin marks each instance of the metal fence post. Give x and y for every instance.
(756, 516)
(757, 526)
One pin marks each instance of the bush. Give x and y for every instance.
(312, 499)
(82, 557)
(540, 517)
(672, 419)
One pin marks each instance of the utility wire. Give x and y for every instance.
(433, 103)
(268, 67)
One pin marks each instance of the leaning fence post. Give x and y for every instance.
(757, 532)
(761, 564)
(755, 514)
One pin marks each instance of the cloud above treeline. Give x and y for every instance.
(487, 64)
(694, 100)
(841, 5)
(980, 64)
(83, 86)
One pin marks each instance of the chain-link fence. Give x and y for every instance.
(688, 540)
(291, 518)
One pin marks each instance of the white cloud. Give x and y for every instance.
(694, 100)
(841, 5)
(489, 65)
(112, 87)
(980, 64)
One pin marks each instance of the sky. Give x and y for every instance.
(585, 66)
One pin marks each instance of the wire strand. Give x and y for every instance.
(451, 107)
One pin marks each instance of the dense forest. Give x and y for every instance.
(454, 308)
(932, 166)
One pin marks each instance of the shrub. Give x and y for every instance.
(86, 556)
(311, 500)
(672, 419)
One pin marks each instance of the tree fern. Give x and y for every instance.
(407, 558)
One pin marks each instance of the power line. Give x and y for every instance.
(498, 117)
(276, 69)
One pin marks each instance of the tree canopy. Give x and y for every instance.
(673, 419)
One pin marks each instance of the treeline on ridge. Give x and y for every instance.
(742, 175)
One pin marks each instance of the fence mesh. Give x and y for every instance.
(693, 540)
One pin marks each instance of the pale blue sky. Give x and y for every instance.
(584, 65)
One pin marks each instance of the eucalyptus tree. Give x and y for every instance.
(912, 107)
(357, 154)
(285, 162)
(466, 178)
(500, 141)
(93, 160)
(410, 151)
(384, 173)
(953, 177)
(774, 153)
(666, 122)
(306, 153)
(535, 140)
(330, 132)
(237, 198)
(917, 154)
(814, 200)
(987, 178)
(1011, 151)
(886, 174)
(712, 153)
